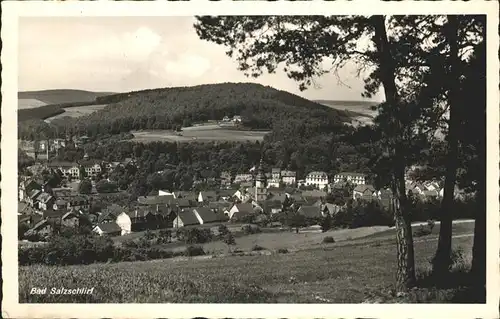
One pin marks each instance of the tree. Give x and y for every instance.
(81, 172)
(302, 44)
(85, 187)
(229, 240)
(326, 223)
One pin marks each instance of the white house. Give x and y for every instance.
(166, 193)
(274, 181)
(355, 178)
(110, 229)
(288, 177)
(123, 220)
(317, 179)
(243, 178)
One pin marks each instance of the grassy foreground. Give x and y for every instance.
(330, 273)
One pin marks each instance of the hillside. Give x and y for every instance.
(61, 96)
(261, 108)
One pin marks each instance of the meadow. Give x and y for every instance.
(77, 111)
(198, 134)
(345, 272)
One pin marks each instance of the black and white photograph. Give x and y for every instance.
(295, 158)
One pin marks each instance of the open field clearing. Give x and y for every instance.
(198, 134)
(29, 103)
(77, 111)
(363, 113)
(61, 95)
(329, 273)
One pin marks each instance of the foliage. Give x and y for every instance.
(195, 235)
(326, 223)
(282, 251)
(422, 231)
(257, 248)
(250, 229)
(103, 186)
(229, 239)
(194, 251)
(328, 240)
(85, 187)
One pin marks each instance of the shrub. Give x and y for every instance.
(250, 229)
(422, 231)
(282, 251)
(326, 223)
(328, 240)
(198, 236)
(194, 251)
(257, 248)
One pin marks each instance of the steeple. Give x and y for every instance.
(261, 175)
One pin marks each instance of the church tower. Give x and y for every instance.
(260, 183)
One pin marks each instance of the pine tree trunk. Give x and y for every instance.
(442, 260)
(405, 275)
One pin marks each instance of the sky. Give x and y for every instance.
(120, 54)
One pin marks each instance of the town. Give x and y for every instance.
(244, 197)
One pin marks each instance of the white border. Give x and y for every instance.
(11, 10)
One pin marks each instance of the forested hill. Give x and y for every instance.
(167, 108)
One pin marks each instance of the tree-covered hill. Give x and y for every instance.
(168, 108)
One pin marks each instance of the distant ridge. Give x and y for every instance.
(58, 96)
(346, 103)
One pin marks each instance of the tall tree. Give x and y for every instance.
(304, 44)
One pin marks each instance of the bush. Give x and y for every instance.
(257, 248)
(328, 240)
(422, 231)
(198, 236)
(282, 251)
(326, 223)
(194, 251)
(250, 229)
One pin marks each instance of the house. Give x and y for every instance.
(220, 207)
(70, 219)
(42, 228)
(77, 203)
(25, 187)
(108, 229)
(186, 195)
(363, 191)
(46, 201)
(227, 194)
(30, 220)
(92, 168)
(272, 207)
(53, 215)
(60, 204)
(241, 210)
(429, 195)
(288, 177)
(63, 193)
(314, 195)
(237, 119)
(155, 200)
(185, 218)
(226, 178)
(106, 217)
(239, 178)
(205, 215)
(32, 199)
(207, 196)
(354, 178)
(317, 179)
(68, 169)
(273, 181)
(331, 209)
(310, 211)
(165, 192)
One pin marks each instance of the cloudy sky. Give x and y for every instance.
(120, 54)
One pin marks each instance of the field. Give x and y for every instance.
(362, 114)
(199, 134)
(29, 103)
(344, 272)
(61, 96)
(77, 111)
